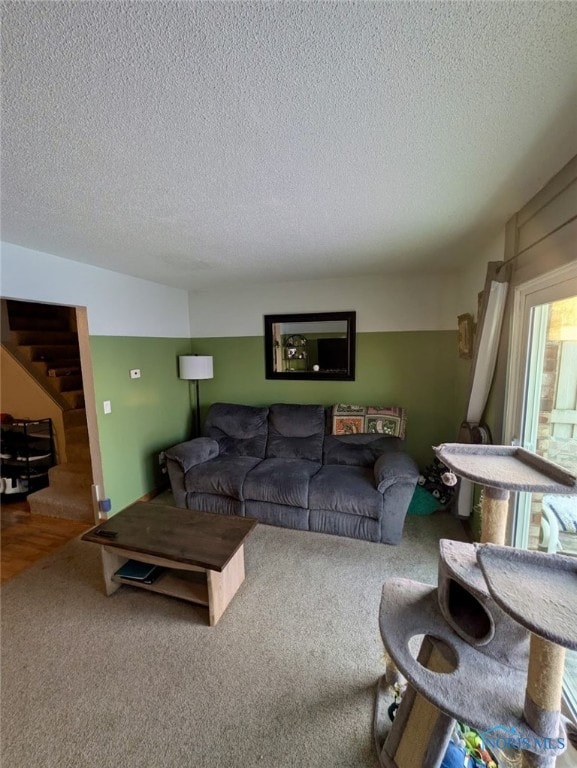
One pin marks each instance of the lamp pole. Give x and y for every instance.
(197, 432)
(194, 368)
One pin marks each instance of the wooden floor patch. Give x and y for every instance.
(27, 538)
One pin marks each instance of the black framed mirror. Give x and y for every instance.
(319, 345)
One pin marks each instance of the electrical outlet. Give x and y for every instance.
(135, 373)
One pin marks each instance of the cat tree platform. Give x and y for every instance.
(507, 467)
(537, 590)
(469, 609)
(475, 688)
(501, 469)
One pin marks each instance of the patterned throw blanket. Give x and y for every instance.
(372, 419)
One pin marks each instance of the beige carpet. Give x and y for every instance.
(138, 680)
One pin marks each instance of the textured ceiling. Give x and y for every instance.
(201, 143)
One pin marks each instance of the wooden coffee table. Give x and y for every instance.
(203, 553)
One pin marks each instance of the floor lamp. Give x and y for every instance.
(194, 368)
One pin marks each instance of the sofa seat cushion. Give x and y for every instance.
(215, 503)
(239, 430)
(281, 481)
(296, 432)
(346, 489)
(224, 475)
(341, 524)
(278, 514)
(358, 450)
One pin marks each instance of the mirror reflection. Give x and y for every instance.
(310, 346)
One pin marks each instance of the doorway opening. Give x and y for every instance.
(46, 380)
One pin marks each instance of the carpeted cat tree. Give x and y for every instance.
(491, 637)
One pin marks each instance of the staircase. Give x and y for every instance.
(43, 339)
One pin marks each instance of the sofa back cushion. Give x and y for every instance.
(358, 450)
(240, 430)
(296, 432)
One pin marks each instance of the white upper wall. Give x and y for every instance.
(118, 305)
(391, 303)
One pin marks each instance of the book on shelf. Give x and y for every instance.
(134, 570)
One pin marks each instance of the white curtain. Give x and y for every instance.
(484, 361)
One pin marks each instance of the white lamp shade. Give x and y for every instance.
(195, 367)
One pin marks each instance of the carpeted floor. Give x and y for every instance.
(286, 679)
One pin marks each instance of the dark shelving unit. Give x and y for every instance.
(26, 455)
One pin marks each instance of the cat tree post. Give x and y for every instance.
(494, 511)
(544, 690)
(540, 592)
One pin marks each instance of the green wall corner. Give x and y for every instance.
(148, 414)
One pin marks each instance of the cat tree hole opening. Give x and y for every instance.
(469, 615)
(434, 654)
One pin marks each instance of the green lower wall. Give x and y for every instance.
(148, 414)
(419, 370)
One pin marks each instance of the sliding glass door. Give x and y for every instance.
(541, 414)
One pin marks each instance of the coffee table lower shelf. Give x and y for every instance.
(185, 585)
(212, 589)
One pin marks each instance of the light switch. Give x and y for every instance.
(107, 406)
(135, 373)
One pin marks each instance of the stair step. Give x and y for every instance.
(74, 417)
(75, 397)
(31, 323)
(49, 353)
(71, 362)
(79, 452)
(53, 369)
(70, 475)
(26, 338)
(66, 383)
(73, 503)
(76, 435)
(66, 370)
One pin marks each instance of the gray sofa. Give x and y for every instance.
(278, 464)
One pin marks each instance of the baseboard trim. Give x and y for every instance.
(153, 494)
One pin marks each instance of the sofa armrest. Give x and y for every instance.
(182, 457)
(391, 468)
(193, 452)
(396, 476)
